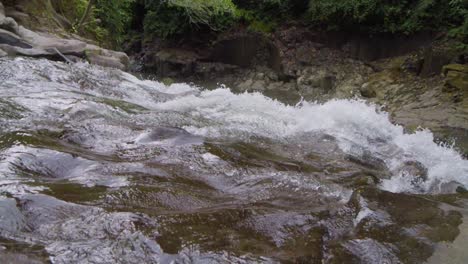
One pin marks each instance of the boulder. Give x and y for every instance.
(414, 169)
(8, 23)
(434, 60)
(456, 81)
(456, 77)
(171, 62)
(9, 38)
(367, 91)
(31, 52)
(104, 61)
(212, 69)
(412, 64)
(321, 79)
(106, 58)
(454, 67)
(49, 42)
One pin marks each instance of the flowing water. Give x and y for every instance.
(97, 166)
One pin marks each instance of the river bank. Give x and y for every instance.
(47, 41)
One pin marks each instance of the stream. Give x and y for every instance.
(98, 166)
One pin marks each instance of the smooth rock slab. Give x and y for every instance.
(12, 39)
(8, 23)
(105, 61)
(455, 67)
(48, 42)
(107, 58)
(33, 52)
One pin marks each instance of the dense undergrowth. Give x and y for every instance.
(112, 19)
(107, 23)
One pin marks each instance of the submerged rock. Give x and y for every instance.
(414, 169)
(171, 135)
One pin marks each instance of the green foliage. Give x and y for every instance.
(265, 15)
(115, 16)
(107, 23)
(171, 17)
(460, 32)
(388, 16)
(71, 9)
(110, 19)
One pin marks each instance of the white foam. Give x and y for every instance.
(352, 122)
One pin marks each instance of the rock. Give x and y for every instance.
(12, 39)
(457, 81)
(367, 91)
(107, 58)
(304, 55)
(320, 79)
(177, 56)
(327, 83)
(32, 52)
(171, 62)
(49, 42)
(454, 67)
(167, 81)
(3, 53)
(434, 60)
(412, 65)
(415, 170)
(258, 86)
(169, 135)
(448, 187)
(456, 77)
(9, 24)
(104, 61)
(375, 47)
(365, 158)
(74, 58)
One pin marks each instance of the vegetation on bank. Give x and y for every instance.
(113, 19)
(107, 22)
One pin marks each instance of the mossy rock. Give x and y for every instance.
(456, 81)
(167, 81)
(455, 68)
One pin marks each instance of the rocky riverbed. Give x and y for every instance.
(99, 166)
